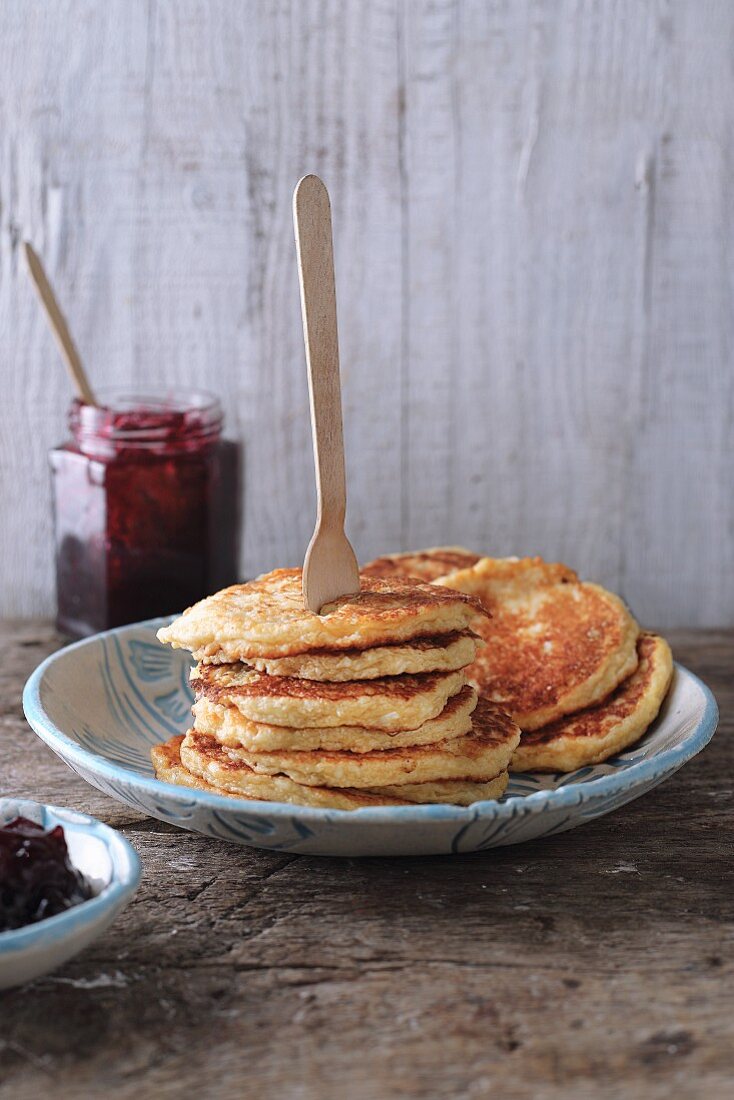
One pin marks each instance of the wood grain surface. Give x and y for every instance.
(533, 234)
(595, 964)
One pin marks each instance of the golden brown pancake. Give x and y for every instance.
(595, 734)
(554, 645)
(392, 703)
(427, 565)
(440, 653)
(230, 728)
(214, 771)
(477, 756)
(167, 766)
(508, 579)
(267, 618)
(207, 767)
(457, 792)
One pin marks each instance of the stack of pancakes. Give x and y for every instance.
(364, 704)
(563, 657)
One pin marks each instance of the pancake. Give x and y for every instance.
(441, 653)
(230, 728)
(168, 768)
(595, 734)
(235, 780)
(477, 756)
(507, 579)
(554, 644)
(207, 767)
(387, 703)
(426, 565)
(458, 792)
(267, 618)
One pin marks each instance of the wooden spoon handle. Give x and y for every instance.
(59, 327)
(312, 221)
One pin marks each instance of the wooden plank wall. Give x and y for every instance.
(534, 238)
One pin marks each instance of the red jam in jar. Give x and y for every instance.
(146, 509)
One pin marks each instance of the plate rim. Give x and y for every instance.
(564, 796)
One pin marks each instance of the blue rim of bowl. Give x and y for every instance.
(124, 881)
(663, 763)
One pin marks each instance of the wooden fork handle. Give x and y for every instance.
(312, 221)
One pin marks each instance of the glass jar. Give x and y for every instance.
(146, 499)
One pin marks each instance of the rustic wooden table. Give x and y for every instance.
(597, 963)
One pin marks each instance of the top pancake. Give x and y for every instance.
(267, 618)
(427, 565)
(554, 644)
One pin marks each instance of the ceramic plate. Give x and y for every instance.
(101, 704)
(108, 861)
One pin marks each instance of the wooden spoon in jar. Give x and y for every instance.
(330, 568)
(59, 327)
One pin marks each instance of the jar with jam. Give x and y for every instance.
(146, 496)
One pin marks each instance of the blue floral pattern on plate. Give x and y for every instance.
(102, 703)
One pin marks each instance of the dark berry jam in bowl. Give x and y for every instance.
(37, 878)
(146, 509)
(57, 895)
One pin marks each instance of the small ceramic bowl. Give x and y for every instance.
(104, 857)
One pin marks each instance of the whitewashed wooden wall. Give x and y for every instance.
(535, 258)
